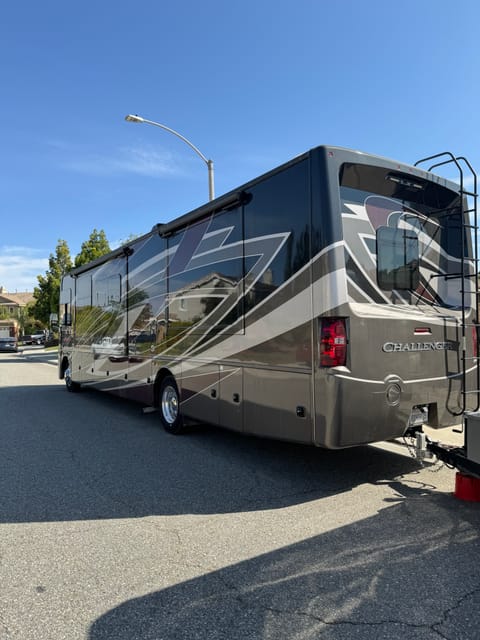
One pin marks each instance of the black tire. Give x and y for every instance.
(169, 406)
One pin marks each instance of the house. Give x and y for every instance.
(11, 303)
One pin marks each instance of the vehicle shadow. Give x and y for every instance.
(68, 456)
(406, 573)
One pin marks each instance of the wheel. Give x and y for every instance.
(69, 383)
(169, 406)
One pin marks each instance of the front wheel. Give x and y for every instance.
(69, 383)
(169, 406)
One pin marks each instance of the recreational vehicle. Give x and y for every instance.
(332, 301)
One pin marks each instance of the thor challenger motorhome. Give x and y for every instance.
(331, 301)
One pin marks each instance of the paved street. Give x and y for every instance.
(112, 529)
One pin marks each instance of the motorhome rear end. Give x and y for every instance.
(410, 312)
(329, 302)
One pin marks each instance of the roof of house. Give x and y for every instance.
(19, 299)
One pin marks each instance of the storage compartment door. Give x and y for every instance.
(231, 398)
(200, 392)
(278, 404)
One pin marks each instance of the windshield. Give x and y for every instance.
(403, 236)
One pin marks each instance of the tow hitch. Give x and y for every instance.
(422, 452)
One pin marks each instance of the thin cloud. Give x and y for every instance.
(20, 266)
(139, 160)
(468, 181)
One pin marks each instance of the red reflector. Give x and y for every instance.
(333, 342)
(423, 331)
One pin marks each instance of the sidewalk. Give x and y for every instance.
(40, 354)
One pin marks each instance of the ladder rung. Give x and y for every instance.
(465, 393)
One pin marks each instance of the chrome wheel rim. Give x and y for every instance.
(170, 404)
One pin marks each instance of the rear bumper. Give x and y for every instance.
(352, 411)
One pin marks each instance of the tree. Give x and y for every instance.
(26, 319)
(47, 294)
(129, 238)
(93, 248)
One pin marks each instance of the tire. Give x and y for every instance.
(169, 406)
(69, 383)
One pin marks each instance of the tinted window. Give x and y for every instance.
(397, 259)
(147, 289)
(205, 283)
(423, 245)
(108, 308)
(83, 309)
(66, 297)
(99, 307)
(277, 230)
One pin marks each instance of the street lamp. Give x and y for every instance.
(209, 163)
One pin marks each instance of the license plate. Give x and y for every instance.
(418, 416)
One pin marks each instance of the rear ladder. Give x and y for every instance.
(467, 458)
(469, 220)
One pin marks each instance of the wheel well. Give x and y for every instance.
(161, 375)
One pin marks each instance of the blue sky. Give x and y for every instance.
(250, 83)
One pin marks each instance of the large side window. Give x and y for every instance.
(147, 291)
(397, 258)
(107, 291)
(205, 277)
(83, 307)
(277, 231)
(107, 318)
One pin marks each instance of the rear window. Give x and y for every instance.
(397, 259)
(403, 236)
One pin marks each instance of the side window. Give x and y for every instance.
(83, 305)
(107, 291)
(107, 329)
(84, 291)
(205, 283)
(397, 258)
(147, 291)
(66, 295)
(277, 231)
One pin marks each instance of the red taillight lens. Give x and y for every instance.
(333, 342)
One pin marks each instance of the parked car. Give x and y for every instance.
(8, 344)
(38, 338)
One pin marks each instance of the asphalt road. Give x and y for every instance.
(112, 529)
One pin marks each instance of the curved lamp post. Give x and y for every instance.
(209, 163)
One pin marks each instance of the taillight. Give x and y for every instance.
(333, 342)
